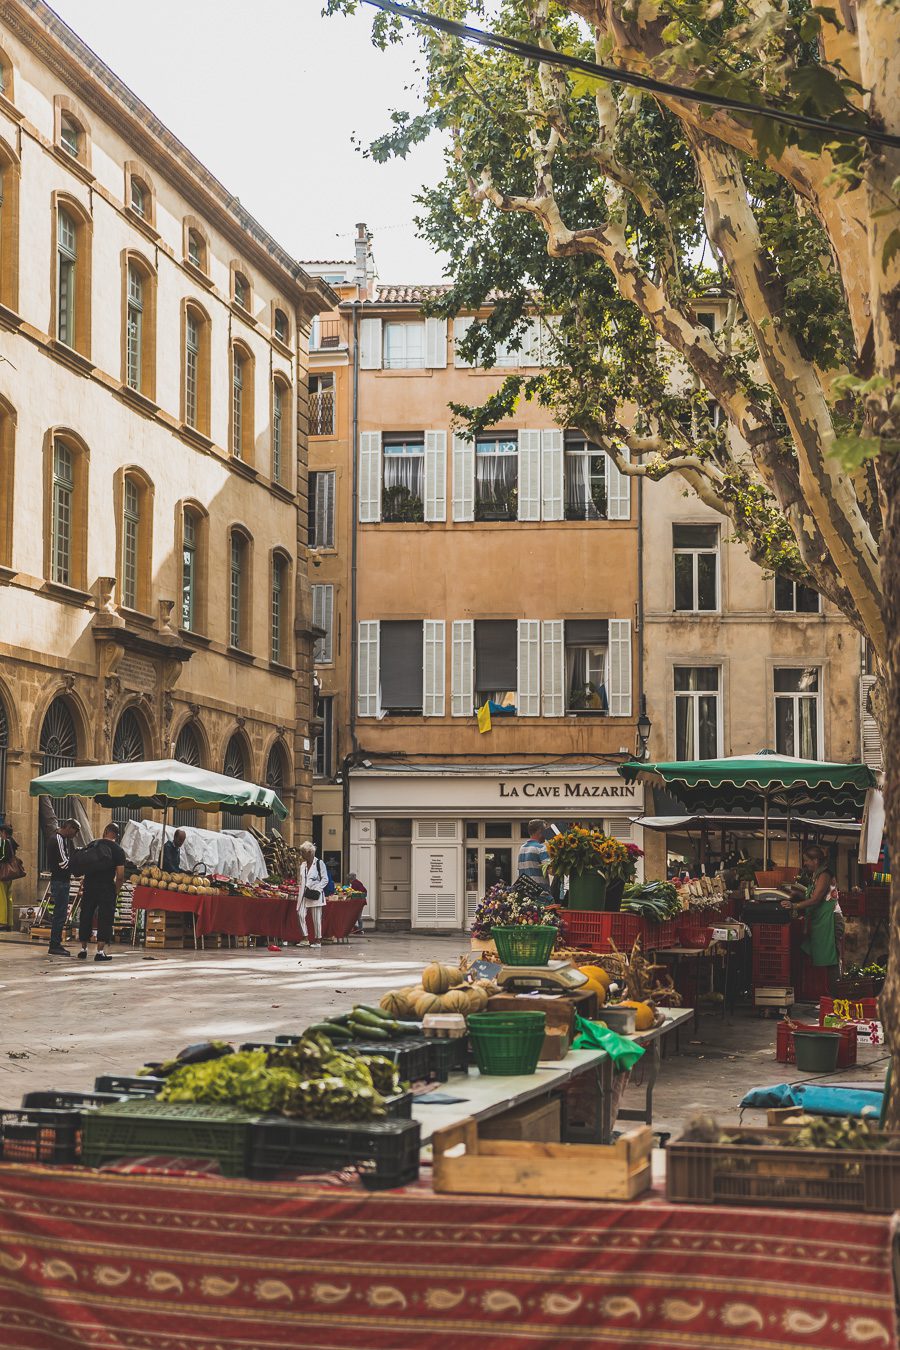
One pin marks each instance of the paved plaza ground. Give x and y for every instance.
(64, 1021)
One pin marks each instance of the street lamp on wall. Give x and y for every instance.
(644, 726)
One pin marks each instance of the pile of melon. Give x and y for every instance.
(186, 882)
(443, 990)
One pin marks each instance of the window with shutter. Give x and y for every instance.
(369, 477)
(618, 491)
(435, 344)
(529, 475)
(370, 340)
(462, 693)
(367, 678)
(528, 700)
(321, 509)
(323, 617)
(587, 666)
(552, 668)
(552, 474)
(870, 736)
(435, 475)
(463, 479)
(496, 662)
(433, 644)
(530, 351)
(460, 329)
(620, 667)
(401, 666)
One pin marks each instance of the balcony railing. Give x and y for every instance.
(326, 334)
(321, 413)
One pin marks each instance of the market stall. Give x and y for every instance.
(251, 915)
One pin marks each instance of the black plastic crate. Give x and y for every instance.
(449, 1054)
(385, 1151)
(123, 1086)
(55, 1101)
(32, 1135)
(399, 1107)
(139, 1127)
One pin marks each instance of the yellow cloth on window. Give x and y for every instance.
(484, 718)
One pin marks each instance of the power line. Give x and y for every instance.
(529, 52)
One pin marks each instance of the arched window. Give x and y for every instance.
(128, 748)
(242, 432)
(66, 514)
(135, 534)
(196, 247)
(279, 609)
(71, 135)
(4, 747)
(282, 327)
(59, 750)
(9, 225)
(281, 429)
(193, 568)
(241, 290)
(7, 479)
(239, 591)
(276, 778)
(67, 260)
(72, 297)
(234, 766)
(187, 751)
(139, 357)
(195, 367)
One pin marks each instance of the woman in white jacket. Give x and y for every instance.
(312, 878)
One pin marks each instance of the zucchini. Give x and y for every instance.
(368, 1018)
(364, 1032)
(376, 1012)
(332, 1030)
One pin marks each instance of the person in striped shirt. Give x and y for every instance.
(533, 853)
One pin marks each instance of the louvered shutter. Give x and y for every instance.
(528, 697)
(552, 474)
(462, 668)
(324, 510)
(370, 344)
(369, 477)
(619, 668)
(463, 479)
(460, 329)
(435, 475)
(367, 668)
(529, 475)
(618, 491)
(323, 617)
(433, 668)
(870, 736)
(530, 351)
(435, 344)
(553, 668)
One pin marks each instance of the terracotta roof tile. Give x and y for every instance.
(407, 295)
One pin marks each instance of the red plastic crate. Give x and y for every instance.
(878, 902)
(658, 935)
(859, 1009)
(772, 967)
(596, 932)
(784, 1043)
(771, 937)
(694, 930)
(853, 904)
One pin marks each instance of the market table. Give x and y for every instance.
(653, 1041)
(110, 1261)
(244, 916)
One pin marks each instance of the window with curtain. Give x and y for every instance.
(278, 570)
(67, 254)
(62, 513)
(587, 665)
(189, 572)
(792, 597)
(134, 328)
(403, 490)
(696, 712)
(237, 405)
(496, 653)
(236, 591)
(400, 666)
(191, 368)
(496, 478)
(404, 346)
(696, 558)
(586, 490)
(131, 526)
(797, 711)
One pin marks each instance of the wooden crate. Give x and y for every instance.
(535, 1122)
(40, 935)
(467, 1165)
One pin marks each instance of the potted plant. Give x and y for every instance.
(592, 860)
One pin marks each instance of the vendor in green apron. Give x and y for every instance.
(824, 920)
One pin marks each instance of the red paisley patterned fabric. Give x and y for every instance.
(243, 917)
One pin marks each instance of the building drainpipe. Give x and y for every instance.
(354, 544)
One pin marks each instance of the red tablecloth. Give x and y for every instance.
(245, 917)
(162, 1263)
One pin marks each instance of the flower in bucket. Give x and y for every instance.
(581, 850)
(501, 909)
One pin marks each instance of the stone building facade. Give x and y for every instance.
(153, 352)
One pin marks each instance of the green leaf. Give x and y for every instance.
(891, 248)
(852, 450)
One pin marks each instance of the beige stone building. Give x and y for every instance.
(153, 345)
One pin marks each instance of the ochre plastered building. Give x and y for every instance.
(153, 349)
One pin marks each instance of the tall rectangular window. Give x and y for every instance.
(237, 408)
(323, 617)
(696, 712)
(134, 328)
(403, 492)
(277, 432)
(131, 522)
(236, 591)
(587, 665)
(321, 404)
(696, 553)
(66, 248)
(404, 346)
(496, 478)
(277, 589)
(325, 738)
(401, 669)
(792, 597)
(188, 570)
(191, 367)
(61, 524)
(797, 711)
(321, 509)
(496, 661)
(586, 491)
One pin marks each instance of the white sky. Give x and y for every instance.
(268, 96)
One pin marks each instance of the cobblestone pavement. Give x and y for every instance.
(64, 1021)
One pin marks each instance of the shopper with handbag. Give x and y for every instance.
(11, 870)
(312, 879)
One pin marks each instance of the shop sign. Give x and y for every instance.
(566, 791)
(412, 795)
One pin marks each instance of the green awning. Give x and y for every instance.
(159, 783)
(742, 782)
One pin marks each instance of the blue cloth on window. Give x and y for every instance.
(816, 1099)
(501, 709)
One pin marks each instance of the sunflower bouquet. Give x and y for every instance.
(581, 850)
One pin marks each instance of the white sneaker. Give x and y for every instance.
(315, 945)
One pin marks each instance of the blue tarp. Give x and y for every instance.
(817, 1100)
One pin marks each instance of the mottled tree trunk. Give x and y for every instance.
(890, 731)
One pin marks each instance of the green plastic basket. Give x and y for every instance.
(141, 1126)
(507, 1043)
(527, 944)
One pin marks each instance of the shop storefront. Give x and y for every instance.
(428, 841)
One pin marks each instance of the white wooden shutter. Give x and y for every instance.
(433, 667)
(435, 475)
(618, 491)
(552, 473)
(367, 668)
(619, 689)
(530, 350)
(370, 344)
(324, 510)
(550, 355)
(529, 475)
(369, 476)
(870, 736)
(463, 479)
(323, 617)
(462, 668)
(528, 697)
(553, 668)
(460, 329)
(435, 344)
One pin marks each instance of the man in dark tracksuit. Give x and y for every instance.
(60, 851)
